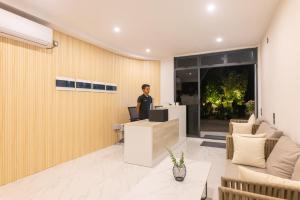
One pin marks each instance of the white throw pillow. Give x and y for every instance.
(249, 150)
(258, 177)
(252, 119)
(241, 128)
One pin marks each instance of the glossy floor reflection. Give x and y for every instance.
(103, 175)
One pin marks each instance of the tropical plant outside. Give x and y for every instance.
(223, 95)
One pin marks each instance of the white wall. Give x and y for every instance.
(280, 70)
(167, 81)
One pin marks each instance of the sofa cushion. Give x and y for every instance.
(231, 170)
(263, 127)
(241, 128)
(252, 119)
(262, 178)
(270, 131)
(274, 133)
(296, 173)
(249, 150)
(283, 158)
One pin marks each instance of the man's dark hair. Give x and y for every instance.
(145, 85)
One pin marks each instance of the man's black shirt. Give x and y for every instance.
(145, 106)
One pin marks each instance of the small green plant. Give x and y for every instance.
(250, 106)
(180, 162)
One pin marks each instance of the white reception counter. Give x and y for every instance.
(145, 142)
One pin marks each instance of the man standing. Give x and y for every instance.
(144, 103)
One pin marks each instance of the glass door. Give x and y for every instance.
(187, 93)
(226, 93)
(215, 95)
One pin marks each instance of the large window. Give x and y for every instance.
(216, 87)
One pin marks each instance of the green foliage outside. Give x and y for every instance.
(213, 94)
(234, 88)
(224, 95)
(250, 105)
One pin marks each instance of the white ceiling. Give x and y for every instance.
(168, 27)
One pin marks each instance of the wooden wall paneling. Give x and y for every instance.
(41, 127)
(98, 101)
(1, 111)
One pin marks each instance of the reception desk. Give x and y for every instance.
(146, 142)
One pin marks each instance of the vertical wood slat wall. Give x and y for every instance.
(41, 127)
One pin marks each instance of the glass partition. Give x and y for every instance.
(187, 93)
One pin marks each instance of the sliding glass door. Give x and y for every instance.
(226, 93)
(216, 87)
(187, 93)
(213, 96)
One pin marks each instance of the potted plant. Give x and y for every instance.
(179, 169)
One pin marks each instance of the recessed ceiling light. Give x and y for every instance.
(148, 50)
(117, 29)
(219, 39)
(211, 7)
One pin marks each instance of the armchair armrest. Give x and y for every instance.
(270, 190)
(233, 194)
(229, 147)
(269, 145)
(239, 120)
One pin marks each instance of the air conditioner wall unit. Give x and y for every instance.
(20, 28)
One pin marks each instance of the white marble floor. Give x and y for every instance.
(103, 175)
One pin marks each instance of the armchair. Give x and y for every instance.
(270, 142)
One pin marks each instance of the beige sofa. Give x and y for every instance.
(279, 157)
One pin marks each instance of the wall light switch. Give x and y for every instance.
(274, 118)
